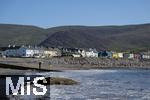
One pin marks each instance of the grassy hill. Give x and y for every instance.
(21, 34)
(101, 37)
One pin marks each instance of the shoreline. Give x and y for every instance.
(21, 66)
(57, 68)
(63, 68)
(67, 63)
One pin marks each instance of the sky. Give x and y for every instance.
(51, 13)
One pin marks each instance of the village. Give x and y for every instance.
(43, 52)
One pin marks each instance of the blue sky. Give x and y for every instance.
(50, 13)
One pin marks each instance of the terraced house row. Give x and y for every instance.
(46, 52)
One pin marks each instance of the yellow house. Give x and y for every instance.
(115, 55)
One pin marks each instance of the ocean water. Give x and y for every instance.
(103, 85)
(98, 85)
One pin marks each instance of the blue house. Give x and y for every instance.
(105, 54)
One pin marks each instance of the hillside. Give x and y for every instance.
(21, 34)
(100, 37)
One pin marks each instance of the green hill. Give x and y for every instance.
(21, 34)
(101, 37)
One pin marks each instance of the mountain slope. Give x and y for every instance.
(100, 37)
(21, 34)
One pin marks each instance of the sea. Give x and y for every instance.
(112, 84)
(103, 85)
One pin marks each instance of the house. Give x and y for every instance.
(76, 55)
(131, 56)
(30, 51)
(22, 51)
(145, 55)
(128, 55)
(120, 55)
(2, 49)
(51, 52)
(105, 54)
(89, 53)
(137, 56)
(115, 55)
(73, 52)
(11, 51)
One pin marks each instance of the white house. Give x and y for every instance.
(22, 51)
(131, 56)
(145, 55)
(89, 53)
(76, 55)
(120, 55)
(30, 51)
(52, 52)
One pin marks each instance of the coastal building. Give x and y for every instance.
(137, 56)
(128, 55)
(70, 52)
(89, 53)
(131, 56)
(76, 55)
(120, 55)
(29, 51)
(145, 55)
(2, 49)
(105, 53)
(11, 51)
(23, 51)
(52, 52)
(115, 55)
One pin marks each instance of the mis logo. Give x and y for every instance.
(22, 85)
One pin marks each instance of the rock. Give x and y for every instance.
(57, 81)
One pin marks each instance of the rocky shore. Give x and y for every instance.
(57, 81)
(70, 63)
(101, 62)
